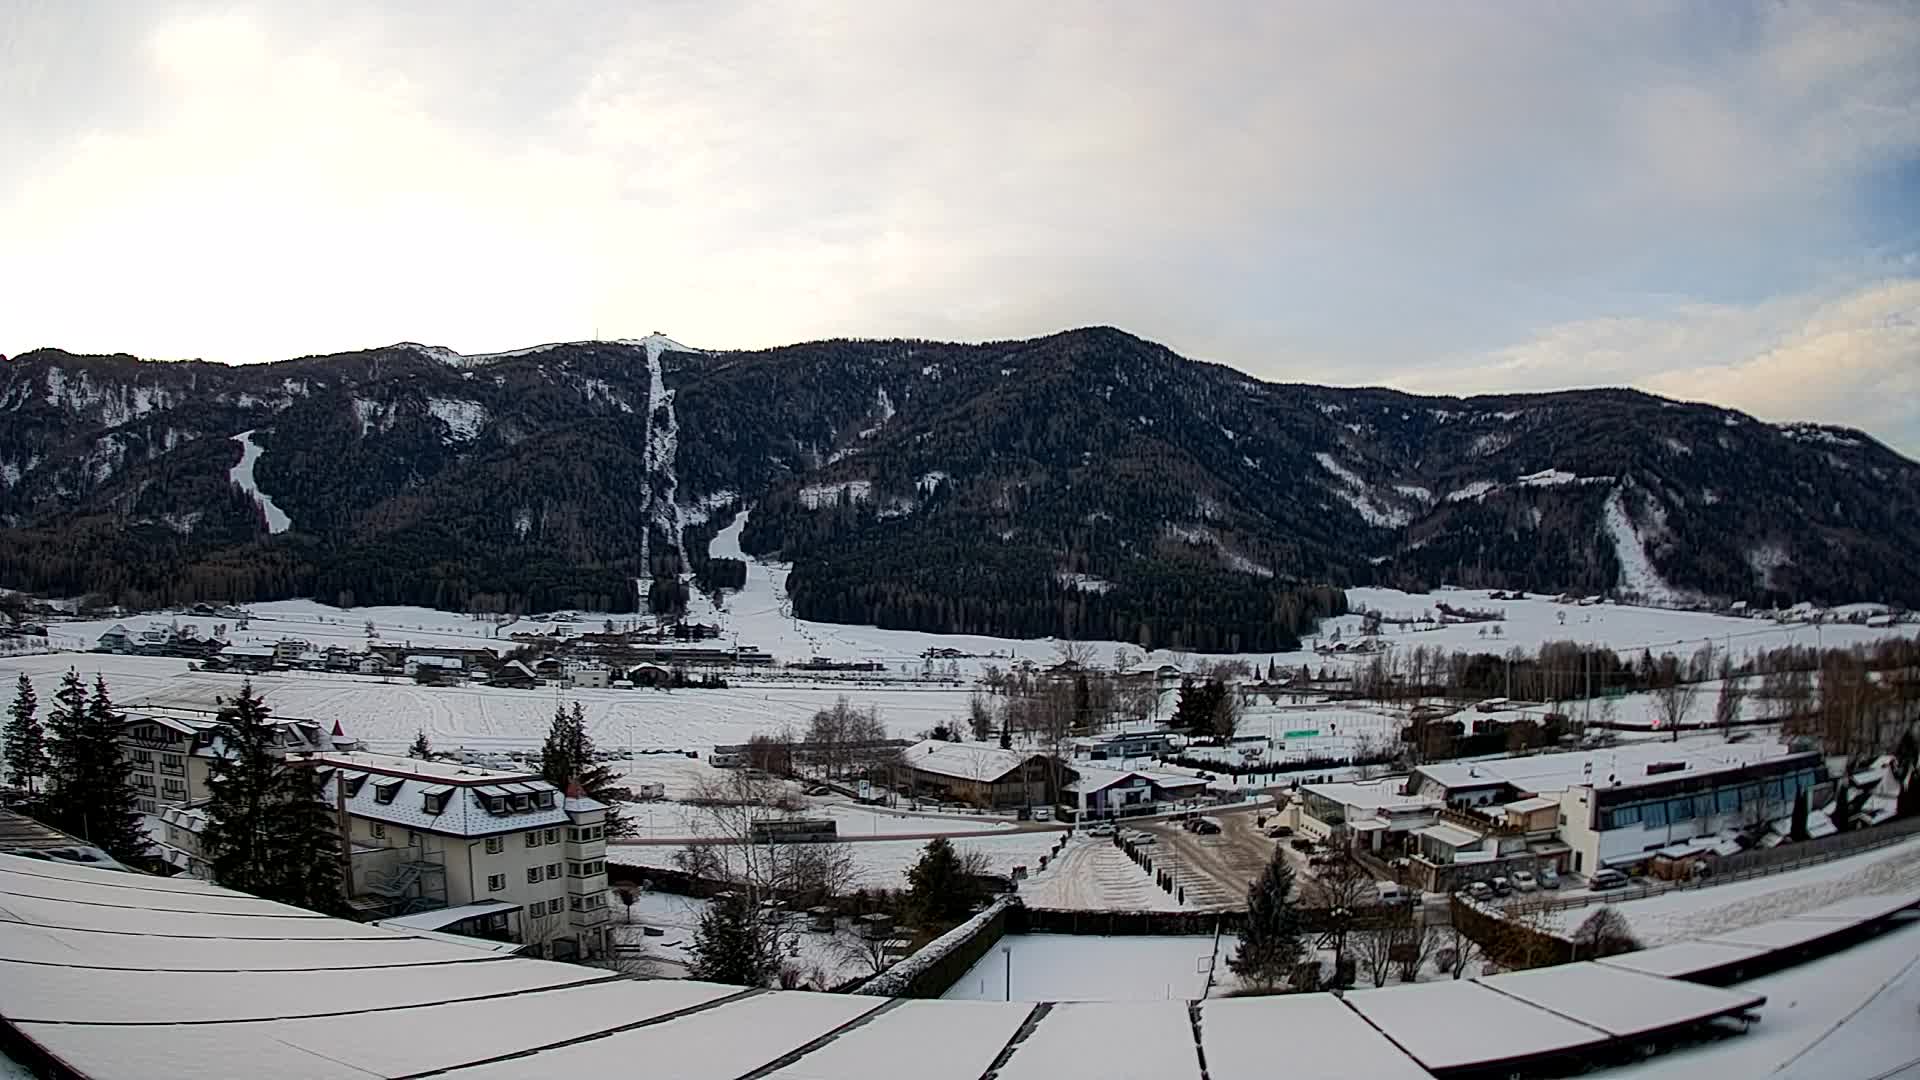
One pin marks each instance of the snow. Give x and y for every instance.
(922, 1039)
(716, 1044)
(75, 995)
(1091, 874)
(815, 496)
(242, 474)
(1559, 478)
(1846, 1015)
(1080, 967)
(371, 414)
(463, 419)
(1455, 1023)
(136, 920)
(663, 444)
(1414, 491)
(1765, 559)
(1637, 575)
(1086, 583)
(1683, 959)
(41, 945)
(1619, 1002)
(1356, 493)
(823, 960)
(1137, 1041)
(1319, 1035)
(1476, 490)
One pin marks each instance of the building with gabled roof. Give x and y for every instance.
(976, 773)
(515, 858)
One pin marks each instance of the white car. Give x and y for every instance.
(1523, 880)
(1104, 829)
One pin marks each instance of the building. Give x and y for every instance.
(1095, 793)
(1121, 745)
(1375, 815)
(117, 639)
(176, 832)
(169, 752)
(1621, 805)
(590, 677)
(444, 665)
(982, 775)
(488, 852)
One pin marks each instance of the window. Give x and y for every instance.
(544, 800)
(143, 758)
(553, 836)
(596, 832)
(533, 838)
(495, 845)
(496, 804)
(435, 803)
(496, 882)
(533, 875)
(354, 783)
(1727, 800)
(172, 761)
(412, 838)
(553, 870)
(379, 830)
(578, 904)
(522, 802)
(1654, 814)
(585, 869)
(145, 806)
(174, 787)
(384, 791)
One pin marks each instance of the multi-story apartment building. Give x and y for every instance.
(169, 752)
(445, 846)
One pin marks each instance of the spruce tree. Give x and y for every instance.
(89, 791)
(421, 748)
(938, 889)
(728, 946)
(25, 741)
(569, 757)
(1270, 940)
(269, 830)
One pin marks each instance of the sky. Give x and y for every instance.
(1719, 202)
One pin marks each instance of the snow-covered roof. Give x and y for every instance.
(962, 761)
(395, 792)
(1450, 835)
(1372, 795)
(196, 980)
(1528, 806)
(1627, 763)
(1090, 779)
(445, 917)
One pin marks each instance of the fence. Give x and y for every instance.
(1752, 864)
(939, 964)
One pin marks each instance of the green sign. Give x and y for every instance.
(1306, 733)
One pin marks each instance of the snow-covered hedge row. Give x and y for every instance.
(968, 941)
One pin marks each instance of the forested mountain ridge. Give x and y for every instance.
(1087, 482)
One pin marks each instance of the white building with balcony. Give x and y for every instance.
(491, 853)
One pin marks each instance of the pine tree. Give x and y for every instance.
(938, 889)
(1006, 737)
(89, 791)
(569, 757)
(25, 741)
(421, 748)
(269, 831)
(1797, 831)
(1270, 945)
(728, 946)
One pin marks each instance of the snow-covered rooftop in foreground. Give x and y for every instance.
(95, 976)
(1322, 1037)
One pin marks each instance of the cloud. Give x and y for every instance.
(1336, 195)
(1851, 359)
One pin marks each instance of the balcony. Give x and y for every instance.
(596, 917)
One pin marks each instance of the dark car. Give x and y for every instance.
(1607, 878)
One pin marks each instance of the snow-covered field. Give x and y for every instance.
(386, 713)
(881, 864)
(1716, 909)
(1073, 967)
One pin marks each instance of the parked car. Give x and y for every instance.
(1279, 832)
(1140, 836)
(1206, 826)
(1607, 878)
(1523, 880)
(1501, 886)
(1104, 829)
(1390, 893)
(1043, 813)
(1302, 845)
(1549, 878)
(1480, 890)
(819, 789)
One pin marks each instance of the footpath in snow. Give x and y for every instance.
(1093, 875)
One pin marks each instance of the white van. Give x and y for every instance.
(1391, 893)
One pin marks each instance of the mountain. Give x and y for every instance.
(1087, 483)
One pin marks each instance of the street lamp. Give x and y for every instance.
(1007, 952)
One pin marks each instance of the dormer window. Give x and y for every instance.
(544, 800)
(434, 799)
(353, 784)
(496, 805)
(523, 802)
(385, 790)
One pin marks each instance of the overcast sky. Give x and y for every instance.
(1712, 200)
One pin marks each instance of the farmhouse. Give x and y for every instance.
(982, 775)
